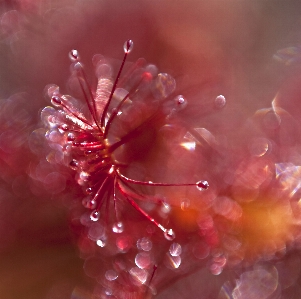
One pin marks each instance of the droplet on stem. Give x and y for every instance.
(118, 227)
(169, 234)
(202, 185)
(128, 46)
(94, 216)
(74, 55)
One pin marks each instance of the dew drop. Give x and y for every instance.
(74, 55)
(56, 101)
(89, 190)
(123, 243)
(202, 185)
(215, 269)
(111, 275)
(220, 101)
(118, 227)
(94, 216)
(173, 262)
(128, 46)
(139, 275)
(144, 244)
(175, 249)
(169, 234)
(89, 202)
(70, 137)
(143, 260)
(180, 102)
(164, 86)
(73, 164)
(101, 243)
(96, 231)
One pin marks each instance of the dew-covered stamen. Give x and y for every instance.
(78, 67)
(199, 184)
(167, 232)
(58, 102)
(128, 46)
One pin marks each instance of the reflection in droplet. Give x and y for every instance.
(220, 101)
(94, 216)
(139, 275)
(169, 234)
(123, 243)
(143, 260)
(175, 249)
(101, 243)
(111, 275)
(202, 185)
(173, 262)
(259, 147)
(118, 227)
(96, 231)
(144, 244)
(128, 46)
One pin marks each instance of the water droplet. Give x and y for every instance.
(164, 86)
(220, 101)
(175, 249)
(202, 185)
(144, 244)
(73, 164)
(101, 243)
(70, 137)
(89, 203)
(56, 101)
(94, 216)
(143, 260)
(139, 275)
(118, 227)
(259, 147)
(111, 275)
(96, 231)
(180, 102)
(173, 262)
(215, 269)
(128, 46)
(169, 234)
(74, 55)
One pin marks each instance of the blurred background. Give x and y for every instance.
(209, 47)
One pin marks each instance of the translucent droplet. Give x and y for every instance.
(96, 231)
(56, 101)
(259, 147)
(111, 275)
(175, 249)
(118, 227)
(73, 164)
(143, 260)
(70, 137)
(165, 207)
(144, 244)
(94, 216)
(202, 185)
(89, 203)
(173, 262)
(123, 243)
(180, 102)
(128, 46)
(215, 269)
(139, 275)
(169, 234)
(101, 243)
(164, 86)
(220, 101)
(74, 55)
